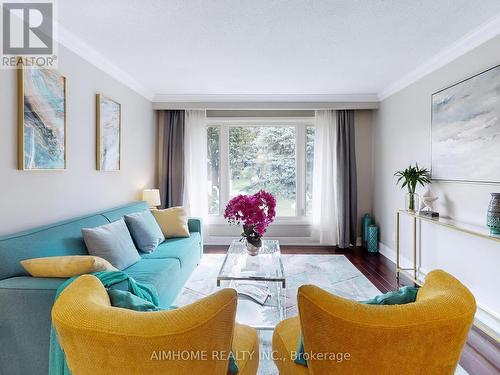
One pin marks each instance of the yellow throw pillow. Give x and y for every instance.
(172, 221)
(66, 266)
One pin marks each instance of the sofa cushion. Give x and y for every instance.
(113, 243)
(161, 273)
(64, 238)
(178, 248)
(119, 212)
(145, 230)
(61, 238)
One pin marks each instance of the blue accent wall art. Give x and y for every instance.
(108, 128)
(466, 130)
(41, 119)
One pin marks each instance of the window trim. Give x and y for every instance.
(300, 124)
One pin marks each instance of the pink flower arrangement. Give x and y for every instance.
(255, 212)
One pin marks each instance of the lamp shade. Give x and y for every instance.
(152, 196)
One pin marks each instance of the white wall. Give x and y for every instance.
(402, 136)
(30, 198)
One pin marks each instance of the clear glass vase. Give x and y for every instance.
(412, 203)
(253, 247)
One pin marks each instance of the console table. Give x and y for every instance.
(475, 230)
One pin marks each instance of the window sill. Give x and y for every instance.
(292, 220)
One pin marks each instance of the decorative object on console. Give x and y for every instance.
(412, 176)
(108, 124)
(365, 222)
(493, 217)
(152, 196)
(426, 207)
(41, 119)
(466, 129)
(255, 213)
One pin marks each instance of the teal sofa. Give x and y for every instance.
(26, 302)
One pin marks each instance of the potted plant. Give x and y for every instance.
(411, 177)
(255, 212)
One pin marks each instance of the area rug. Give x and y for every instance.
(333, 273)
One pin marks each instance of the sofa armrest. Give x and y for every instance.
(195, 224)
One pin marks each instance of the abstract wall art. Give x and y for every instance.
(466, 129)
(108, 127)
(41, 119)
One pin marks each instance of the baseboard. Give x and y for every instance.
(290, 241)
(486, 319)
(293, 241)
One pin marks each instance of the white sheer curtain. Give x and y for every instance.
(195, 164)
(325, 227)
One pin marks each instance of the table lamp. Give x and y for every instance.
(152, 196)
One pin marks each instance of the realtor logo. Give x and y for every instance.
(27, 34)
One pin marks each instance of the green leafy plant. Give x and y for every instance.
(412, 176)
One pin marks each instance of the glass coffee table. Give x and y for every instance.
(264, 271)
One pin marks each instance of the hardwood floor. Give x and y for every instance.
(481, 354)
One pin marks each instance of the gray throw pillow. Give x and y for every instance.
(145, 230)
(113, 243)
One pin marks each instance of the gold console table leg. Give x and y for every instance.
(397, 247)
(415, 248)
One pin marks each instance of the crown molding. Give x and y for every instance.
(263, 98)
(69, 40)
(468, 42)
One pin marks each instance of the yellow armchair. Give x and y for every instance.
(347, 337)
(196, 339)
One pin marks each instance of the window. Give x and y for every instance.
(213, 169)
(310, 133)
(244, 158)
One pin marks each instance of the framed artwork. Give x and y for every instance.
(41, 119)
(465, 130)
(108, 129)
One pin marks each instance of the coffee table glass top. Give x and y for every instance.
(265, 266)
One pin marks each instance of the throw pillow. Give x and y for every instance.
(172, 221)
(65, 266)
(113, 243)
(144, 230)
(404, 295)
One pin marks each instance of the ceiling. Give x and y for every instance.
(199, 49)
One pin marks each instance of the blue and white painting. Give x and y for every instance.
(466, 130)
(43, 125)
(109, 134)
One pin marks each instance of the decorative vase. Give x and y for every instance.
(252, 249)
(412, 202)
(253, 240)
(493, 216)
(365, 222)
(372, 238)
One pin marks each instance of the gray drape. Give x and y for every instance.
(171, 131)
(347, 196)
